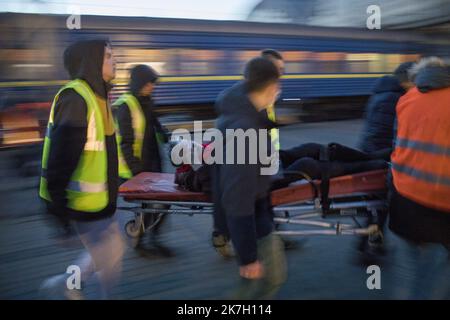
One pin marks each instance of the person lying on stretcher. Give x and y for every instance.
(309, 160)
(306, 161)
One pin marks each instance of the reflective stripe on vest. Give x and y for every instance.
(421, 158)
(87, 190)
(423, 146)
(421, 175)
(86, 186)
(274, 134)
(138, 124)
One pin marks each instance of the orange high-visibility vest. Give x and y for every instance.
(421, 158)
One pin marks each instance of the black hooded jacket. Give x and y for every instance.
(240, 192)
(151, 160)
(82, 60)
(378, 132)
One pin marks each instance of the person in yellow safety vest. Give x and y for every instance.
(139, 131)
(79, 180)
(420, 195)
(139, 135)
(277, 59)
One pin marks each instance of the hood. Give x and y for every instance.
(84, 60)
(140, 76)
(235, 105)
(432, 78)
(387, 84)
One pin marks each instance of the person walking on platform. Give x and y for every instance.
(139, 135)
(379, 122)
(219, 240)
(420, 191)
(377, 139)
(79, 180)
(241, 191)
(277, 59)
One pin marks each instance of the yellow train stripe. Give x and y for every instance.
(199, 78)
(333, 76)
(13, 84)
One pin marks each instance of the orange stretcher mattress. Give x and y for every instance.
(158, 186)
(161, 187)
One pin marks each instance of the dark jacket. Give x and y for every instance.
(378, 132)
(151, 159)
(83, 60)
(240, 192)
(408, 218)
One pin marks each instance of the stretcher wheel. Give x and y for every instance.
(133, 231)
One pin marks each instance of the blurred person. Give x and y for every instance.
(219, 240)
(412, 72)
(378, 132)
(378, 135)
(241, 193)
(139, 134)
(419, 199)
(79, 180)
(276, 58)
(139, 129)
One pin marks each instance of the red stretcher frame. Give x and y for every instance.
(352, 196)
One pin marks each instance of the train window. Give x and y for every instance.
(300, 67)
(393, 60)
(30, 64)
(170, 62)
(295, 56)
(245, 55)
(297, 62)
(158, 59)
(330, 62)
(199, 62)
(360, 62)
(376, 64)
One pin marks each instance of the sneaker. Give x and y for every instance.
(290, 244)
(222, 245)
(376, 244)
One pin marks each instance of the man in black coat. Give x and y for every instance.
(378, 132)
(241, 191)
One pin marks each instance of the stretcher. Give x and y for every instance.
(302, 205)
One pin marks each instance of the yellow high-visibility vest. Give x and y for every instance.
(274, 134)
(87, 190)
(138, 123)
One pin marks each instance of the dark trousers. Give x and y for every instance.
(314, 159)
